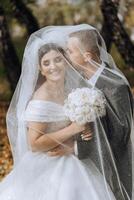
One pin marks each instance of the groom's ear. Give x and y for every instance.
(87, 56)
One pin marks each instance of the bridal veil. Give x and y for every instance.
(104, 102)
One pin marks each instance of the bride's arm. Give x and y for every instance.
(44, 142)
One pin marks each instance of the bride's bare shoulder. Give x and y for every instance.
(41, 93)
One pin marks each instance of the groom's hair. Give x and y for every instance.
(89, 40)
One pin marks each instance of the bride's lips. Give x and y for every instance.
(55, 72)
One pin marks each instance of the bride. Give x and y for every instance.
(37, 123)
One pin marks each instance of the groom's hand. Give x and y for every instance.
(88, 133)
(62, 150)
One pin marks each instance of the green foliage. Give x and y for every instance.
(117, 57)
(62, 13)
(19, 46)
(130, 76)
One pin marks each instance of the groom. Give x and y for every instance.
(117, 131)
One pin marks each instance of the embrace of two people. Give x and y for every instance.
(64, 157)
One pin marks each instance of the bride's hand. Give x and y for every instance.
(86, 130)
(78, 128)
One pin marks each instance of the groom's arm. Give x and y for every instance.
(85, 135)
(83, 147)
(120, 112)
(116, 123)
(120, 118)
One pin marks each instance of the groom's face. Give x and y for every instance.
(74, 52)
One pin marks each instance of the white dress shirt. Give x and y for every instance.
(92, 81)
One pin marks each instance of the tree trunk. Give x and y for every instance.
(24, 15)
(8, 53)
(107, 27)
(119, 34)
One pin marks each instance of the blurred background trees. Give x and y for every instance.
(20, 18)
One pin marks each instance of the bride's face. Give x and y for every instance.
(53, 66)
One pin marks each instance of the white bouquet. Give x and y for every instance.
(84, 105)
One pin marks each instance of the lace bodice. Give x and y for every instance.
(46, 111)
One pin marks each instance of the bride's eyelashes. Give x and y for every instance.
(46, 63)
(55, 61)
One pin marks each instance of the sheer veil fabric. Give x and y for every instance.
(92, 91)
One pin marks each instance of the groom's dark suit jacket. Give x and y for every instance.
(117, 126)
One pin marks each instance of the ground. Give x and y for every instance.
(5, 153)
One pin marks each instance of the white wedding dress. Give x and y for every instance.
(41, 177)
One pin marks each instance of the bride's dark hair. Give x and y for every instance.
(48, 47)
